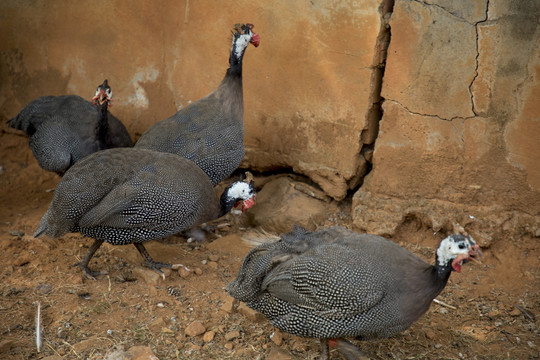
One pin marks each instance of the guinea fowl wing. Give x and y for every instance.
(313, 280)
(133, 204)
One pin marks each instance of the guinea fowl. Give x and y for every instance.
(210, 131)
(129, 196)
(336, 283)
(65, 129)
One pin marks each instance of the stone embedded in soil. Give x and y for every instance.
(198, 271)
(277, 338)
(6, 345)
(229, 346)
(149, 276)
(213, 265)
(140, 353)
(228, 304)
(277, 353)
(515, 312)
(93, 342)
(214, 258)
(196, 328)
(184, 273)
(250, 313)
(231, 335)
(430, 335)
(209, 336)
(157, 325)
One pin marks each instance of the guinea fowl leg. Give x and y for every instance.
(348, 350)
(325, 352)
(154, 265)
(83, 264)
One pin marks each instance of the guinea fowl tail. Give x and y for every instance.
(42, 227)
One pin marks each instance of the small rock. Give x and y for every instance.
(213, 265)
(430, 335)
(166, 330)
(84, 345)
(214, 258)
(157, 325)
(43, 289)
(140, 353)
(231, 335)
(494, 314)
(209, 336)
(195, 328)
(277, 353)
(6, 345)
(149, 276)
(250, 313)
(277, 338)
(229, 346)
(515, 312)
(184, 273)
(198, 271)
(228, 304)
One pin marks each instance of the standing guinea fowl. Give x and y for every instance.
(210, 131)
(336, 283)
(129, 196)
(65, 129)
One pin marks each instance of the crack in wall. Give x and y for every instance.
(375, 112)
(476, 59)
(430, 115)
(443, 9)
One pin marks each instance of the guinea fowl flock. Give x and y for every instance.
(330, 284)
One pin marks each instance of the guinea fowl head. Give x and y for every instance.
(103, 94)
(454, 251)
(236, 193)
(243, 35)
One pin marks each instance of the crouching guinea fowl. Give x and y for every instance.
(210, 131)
(335, 283)
(129, 196)
(65, 129)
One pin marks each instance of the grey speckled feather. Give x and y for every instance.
(129, 196)
(123, 196)
(336, 283)
(210, 131)
(65, 129)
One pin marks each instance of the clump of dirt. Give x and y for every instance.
(494, 313)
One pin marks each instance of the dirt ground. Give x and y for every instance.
(495, 312)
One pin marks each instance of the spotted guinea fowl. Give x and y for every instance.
(210, 131)
(65, 129)
(336, 283)
(129, 196)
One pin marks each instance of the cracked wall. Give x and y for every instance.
(457, 91)
(459, 138)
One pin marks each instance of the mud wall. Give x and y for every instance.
(460, 127)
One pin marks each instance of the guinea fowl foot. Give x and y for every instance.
(348, 350)
(83, 264)
(90, 274)
(150, 263)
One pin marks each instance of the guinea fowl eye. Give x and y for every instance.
(461, 246)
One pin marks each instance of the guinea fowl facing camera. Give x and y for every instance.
(129, 196)
(65, 129)
(335, 283)
(210, 131)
